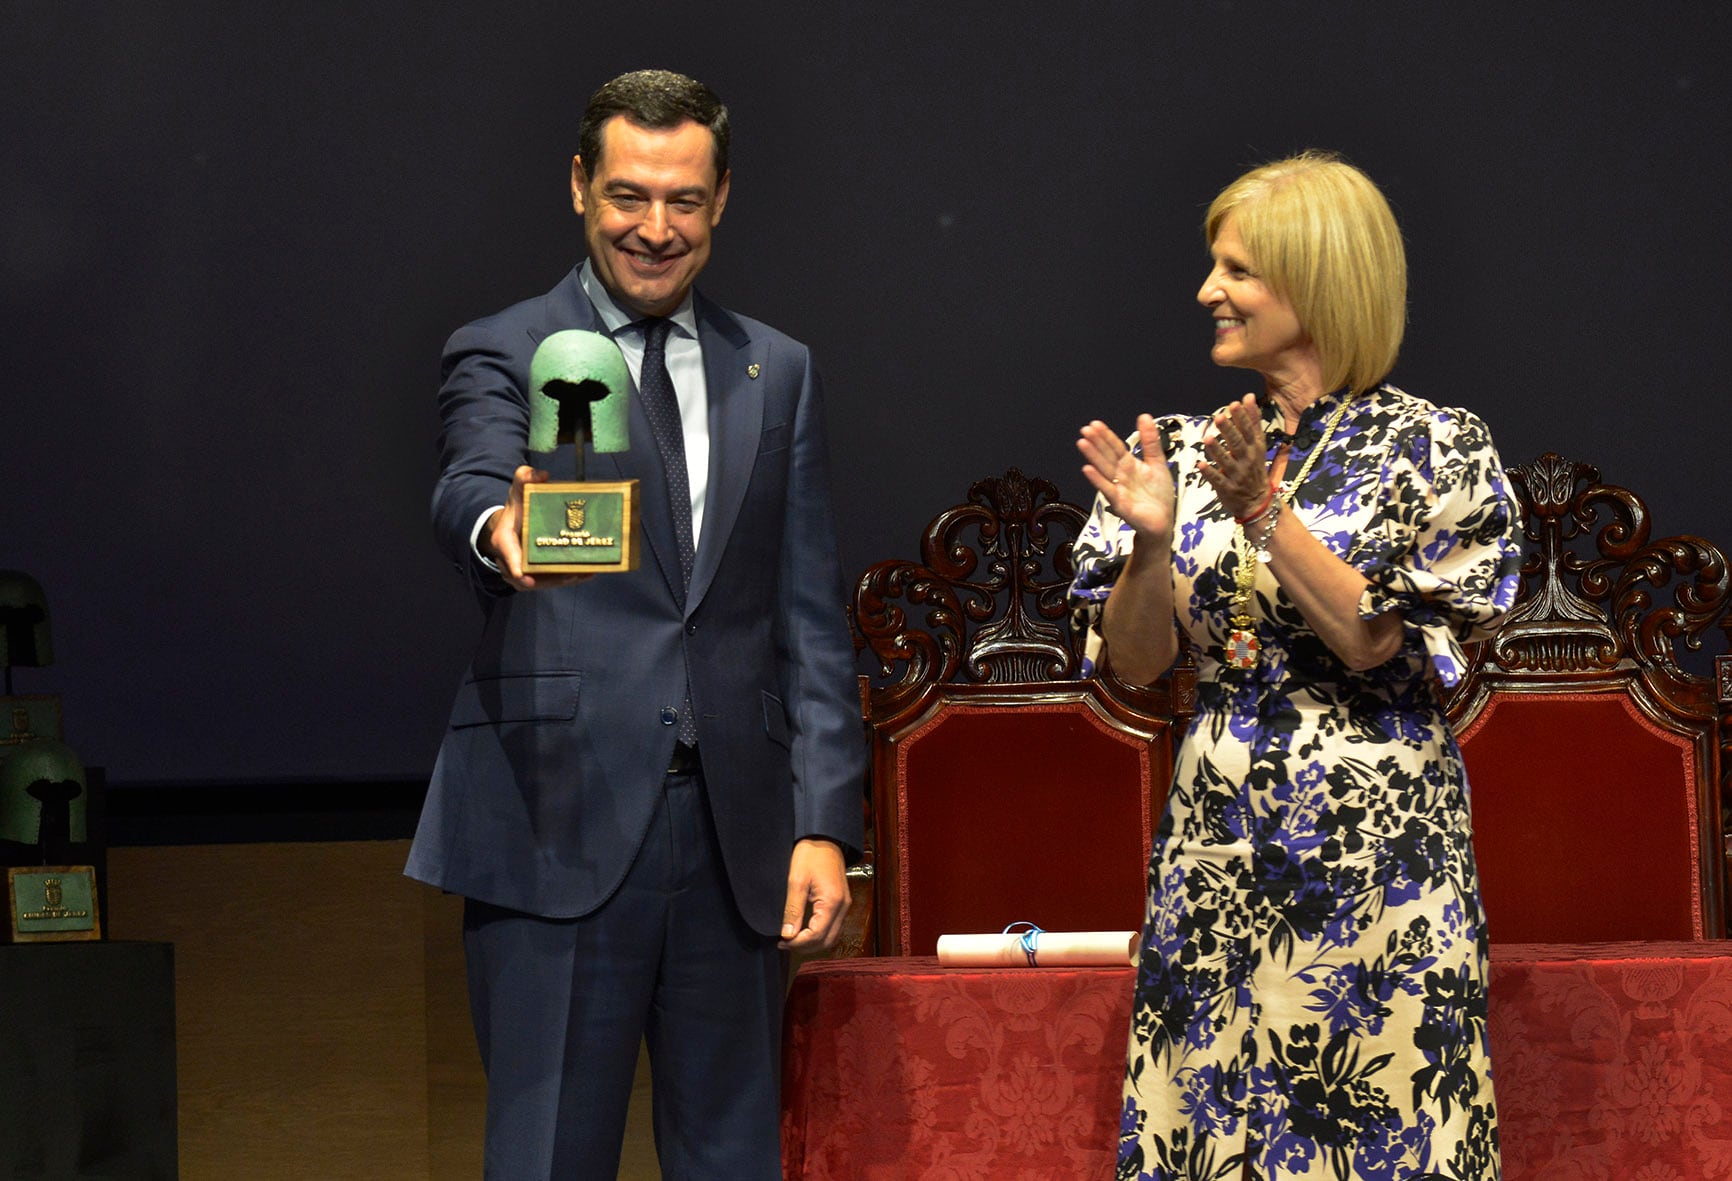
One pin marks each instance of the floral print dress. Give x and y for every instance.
(1311, 992)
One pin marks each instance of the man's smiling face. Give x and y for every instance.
(648, 208)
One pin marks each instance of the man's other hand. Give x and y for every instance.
(817, 896)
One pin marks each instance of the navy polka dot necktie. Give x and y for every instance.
(663, 411)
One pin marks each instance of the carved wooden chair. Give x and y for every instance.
(1599, 761)
(1002, 788)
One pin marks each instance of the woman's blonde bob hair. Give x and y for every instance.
(1321, 236)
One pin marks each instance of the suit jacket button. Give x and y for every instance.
(691, 629)
(670, 715)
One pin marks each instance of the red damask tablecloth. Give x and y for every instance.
(1612, 1062)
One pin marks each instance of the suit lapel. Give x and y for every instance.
(736, 414)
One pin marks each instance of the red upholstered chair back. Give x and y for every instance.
(1595, 758)
(1003, 789)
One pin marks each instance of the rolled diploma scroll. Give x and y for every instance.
(1052, 949)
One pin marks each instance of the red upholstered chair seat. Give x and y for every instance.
(1004, 788)
(1586, 826)
(1037, 811)
(1596, 759)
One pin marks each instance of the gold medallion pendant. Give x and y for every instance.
(1242, 648)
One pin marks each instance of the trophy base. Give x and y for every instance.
(580, 528)
(52, 903)
(24, 717)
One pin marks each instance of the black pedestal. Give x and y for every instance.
(87, 1075)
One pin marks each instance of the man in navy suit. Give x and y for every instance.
(652, 780)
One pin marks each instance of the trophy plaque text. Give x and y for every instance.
(579, 392)
(53, 903)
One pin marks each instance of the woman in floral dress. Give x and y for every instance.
(1311, 995)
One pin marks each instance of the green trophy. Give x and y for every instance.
(579, 393)
(25, 642)
(44, 801)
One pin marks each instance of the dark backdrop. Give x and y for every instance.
(236, 236)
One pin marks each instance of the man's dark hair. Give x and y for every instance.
(658, 100)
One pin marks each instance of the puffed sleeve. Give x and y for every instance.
(1449, 547)
(1100, 553)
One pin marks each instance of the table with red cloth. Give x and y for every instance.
(1611, 1061)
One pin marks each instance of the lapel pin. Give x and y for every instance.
(753, 370)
